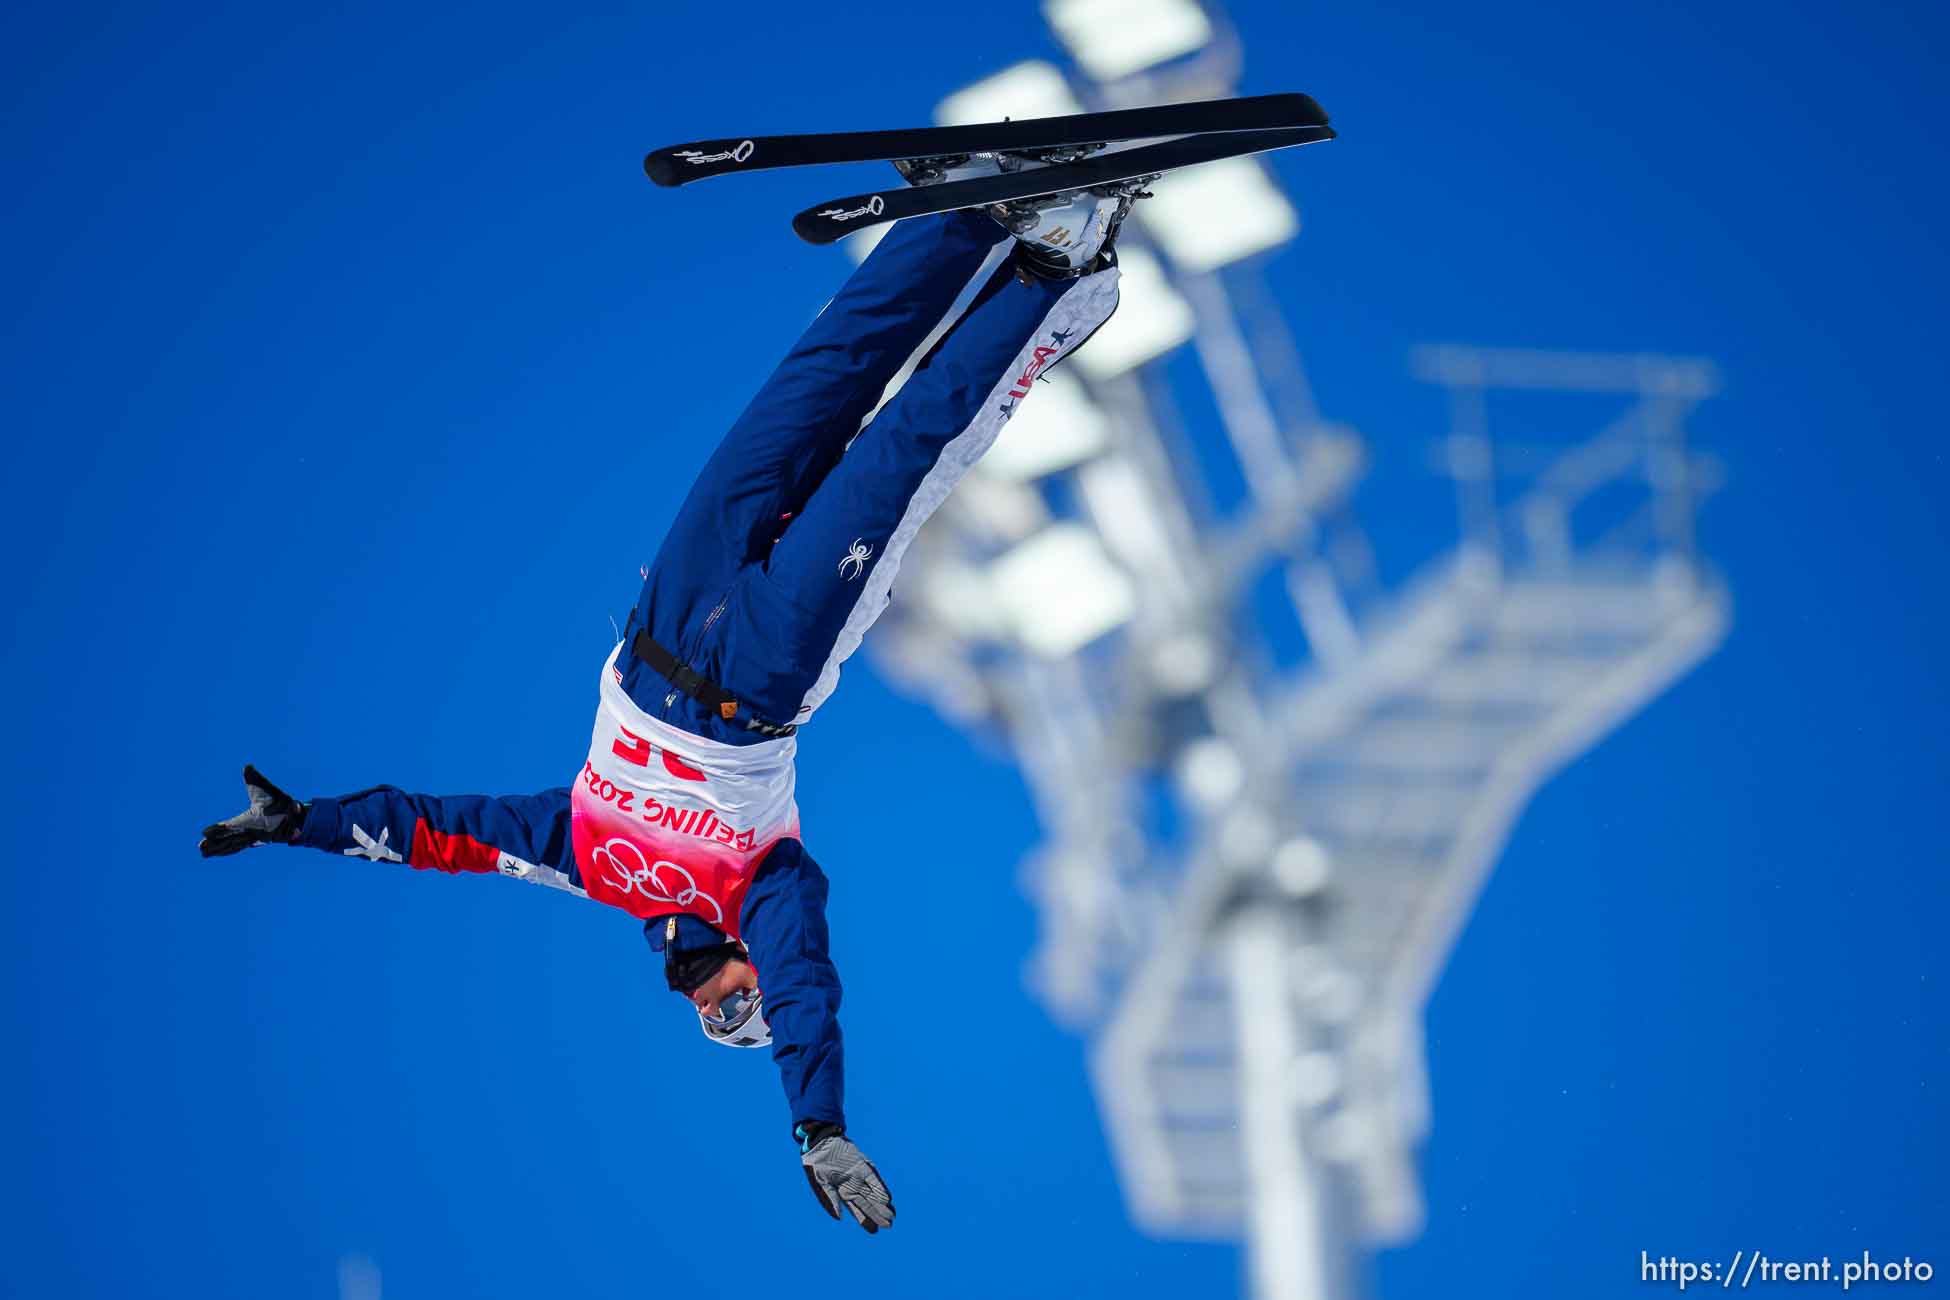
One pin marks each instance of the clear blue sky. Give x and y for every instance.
(351, 368)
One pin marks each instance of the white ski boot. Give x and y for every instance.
(1061, 235)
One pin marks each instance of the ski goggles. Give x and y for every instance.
(740, 1021)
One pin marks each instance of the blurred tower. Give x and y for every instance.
(1271, 790)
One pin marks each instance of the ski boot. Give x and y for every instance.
(1058, 236)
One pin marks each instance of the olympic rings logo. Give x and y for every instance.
(653, 880)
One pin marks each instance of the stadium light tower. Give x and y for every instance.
(1271, 790)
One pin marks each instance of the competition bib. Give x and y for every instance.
(665, 821)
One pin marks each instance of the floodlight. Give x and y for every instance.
(1029, 89)
(1055, 427)
(1114, 38)
(1208, 216)
(1126, 511)
(1002, 509)
(1300, 866)
(1210, 772)
(1184, 663)
(960, 597)
(1150, 320)
(1060, 591)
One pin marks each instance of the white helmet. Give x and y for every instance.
(740, 1021)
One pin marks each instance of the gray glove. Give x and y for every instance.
(274, 817)
(840, 1175)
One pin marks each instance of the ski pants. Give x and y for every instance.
(786, 549)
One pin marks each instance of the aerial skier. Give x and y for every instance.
(776, 565)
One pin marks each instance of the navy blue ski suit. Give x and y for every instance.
(780, 558)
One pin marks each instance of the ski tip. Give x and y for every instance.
(1296, 108)
(660, 167)
(1310, 110)
(815, 229)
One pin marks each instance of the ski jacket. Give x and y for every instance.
(781, 916)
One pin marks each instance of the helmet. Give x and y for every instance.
(740, 1021)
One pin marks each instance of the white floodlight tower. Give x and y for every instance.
(1270, 791)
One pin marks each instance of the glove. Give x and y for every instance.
(274, 817)
(841, 1175)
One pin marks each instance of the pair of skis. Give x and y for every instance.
(1207, 132)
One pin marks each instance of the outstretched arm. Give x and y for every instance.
(783, 924)
(518, 835)
(784, 928)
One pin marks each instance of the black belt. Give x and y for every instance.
(702, 688)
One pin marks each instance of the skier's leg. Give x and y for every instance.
(797, 617)
(794, 429)
(802, 416)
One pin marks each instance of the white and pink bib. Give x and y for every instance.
(664, 821)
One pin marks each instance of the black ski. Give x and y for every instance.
(825, 222)
(682, 163)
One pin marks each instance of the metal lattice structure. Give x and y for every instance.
(1270, 789)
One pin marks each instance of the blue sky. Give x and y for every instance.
(351, 370)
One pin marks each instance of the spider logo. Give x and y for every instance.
(856, 557)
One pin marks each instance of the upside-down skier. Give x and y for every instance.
(776, 565)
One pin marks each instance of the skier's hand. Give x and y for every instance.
(841, 1175)
(274, 817)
